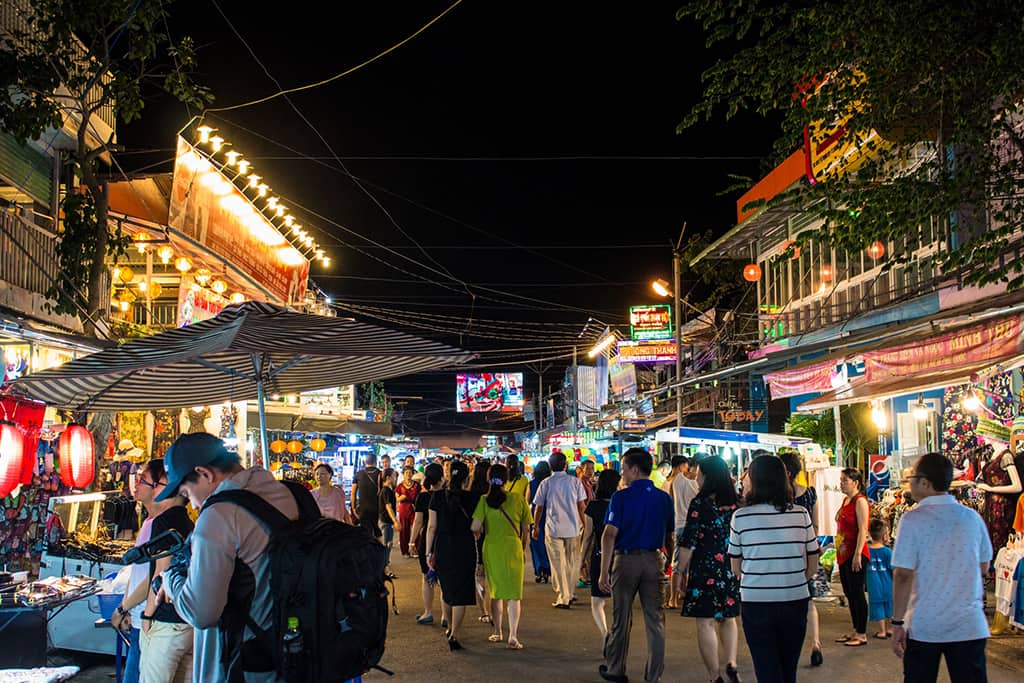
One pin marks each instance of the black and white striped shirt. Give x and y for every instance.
(773, 547)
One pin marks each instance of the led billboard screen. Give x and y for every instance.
(489, 392)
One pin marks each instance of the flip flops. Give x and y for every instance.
(495, 638)
(883, 637)
(855, 643)
(514, 644)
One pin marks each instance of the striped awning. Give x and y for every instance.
(221, 359)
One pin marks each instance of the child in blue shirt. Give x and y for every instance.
(879, 577)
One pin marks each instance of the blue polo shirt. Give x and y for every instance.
(643, 514)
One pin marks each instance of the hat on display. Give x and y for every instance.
(127, 450)
(188, 452)
(1018, 426)
(992, 429)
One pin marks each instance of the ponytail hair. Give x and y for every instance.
(497, 477)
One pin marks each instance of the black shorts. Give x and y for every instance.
(369, 522)
(595, 574)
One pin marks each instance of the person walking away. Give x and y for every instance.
(940, 559)
(433, 480)
(366, 496)
(330, 498)
(166, 640)
(879, 578)
(480, 487)
(773, 550)
(559, 502)
(807, 498)
(852, 554)
(388, 517)
(585, 473)
(683, 489)
(711, 592)
(226, 539)
(503, 519)
(538, 542)
(453, 549)
(406, 493)
(640, 522)
(517, 481)
(593, 529)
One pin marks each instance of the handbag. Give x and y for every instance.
(819, 584)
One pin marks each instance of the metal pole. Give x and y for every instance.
(839, 435)
(679, 338)
(257, 364)
(575, 395)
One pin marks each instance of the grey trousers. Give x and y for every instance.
(632, 574)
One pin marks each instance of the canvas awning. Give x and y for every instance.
(320, 424)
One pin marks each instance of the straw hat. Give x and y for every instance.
(127, 450)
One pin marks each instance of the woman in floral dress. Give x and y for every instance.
(711, 592)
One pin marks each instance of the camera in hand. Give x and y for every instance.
(166, 544)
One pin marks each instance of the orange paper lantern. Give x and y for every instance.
(295, 447)
(826, 273)
(77, 461)
(12, 450)
(876, 250)
(318, 445)
(278, 446)
(752, 272)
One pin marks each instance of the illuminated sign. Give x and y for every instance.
(650, 322)
(647, 351)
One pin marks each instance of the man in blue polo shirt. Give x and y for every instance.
(639, 523)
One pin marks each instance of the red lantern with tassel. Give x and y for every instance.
(12, 447)
(752, 272)
(77, 461)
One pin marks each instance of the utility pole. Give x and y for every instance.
(677, 257)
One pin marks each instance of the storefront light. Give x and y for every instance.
(203, 276)
(254, 180)
(290, 256)
(879, 417)
(165, 253)
(261, 189)
(216, 142)
(232, 157)
(325, 261)
(237, 298)
(204, 133)
(289, 220)
(183, 264)
(123, 305)
(219, 286)
(272, 203)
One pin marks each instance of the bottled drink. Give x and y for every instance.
(293, 647)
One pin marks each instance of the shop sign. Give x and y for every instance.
(976, 344)
(197, 303)
(807, 380)
(623, 380)
(740, 415)
(650, 322)
(210, 209)
(633, 425)
(647, 351)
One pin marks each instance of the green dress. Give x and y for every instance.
(503, 547)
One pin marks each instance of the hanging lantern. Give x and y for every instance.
(140, 242)
(165, 253)
(126, 275)
(183, 264)
(826, 273)
(203, 276)
(278, 446)
(318, 445)
(295, 447)
(219, 286)
(75, 453)
(796, 250)
(12, 447)
(876, 250)
(752, 272)
(238, 298)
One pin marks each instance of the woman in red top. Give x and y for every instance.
(406, 493)
(852, 553)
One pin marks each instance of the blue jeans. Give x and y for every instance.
(388, 539)
(131, 662)
(775, 635)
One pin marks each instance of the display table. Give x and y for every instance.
(24, 628)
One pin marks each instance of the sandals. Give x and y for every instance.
(495, 638)
(881, 636)
(852, 642)
(485, 619)
(844, 639)
(514, 644)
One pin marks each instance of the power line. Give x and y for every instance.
(568, 157)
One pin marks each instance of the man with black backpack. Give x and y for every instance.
(275, 592)
(366, 496)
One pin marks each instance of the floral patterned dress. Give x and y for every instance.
(712, 590)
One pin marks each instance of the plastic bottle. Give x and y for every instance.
(293, 647)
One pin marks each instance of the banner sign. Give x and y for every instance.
(197, 303)
(647, 351)
(650, 322)
(976, 344)
(812, 379)
(633, 425)
(211, 210)
(623, 379)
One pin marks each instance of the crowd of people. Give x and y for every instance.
(739, 555)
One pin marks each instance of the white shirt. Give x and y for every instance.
(139, 573)
(559, 495)
(773, 547)
(944, 543)
(683, 492)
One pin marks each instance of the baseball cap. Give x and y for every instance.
(186, 453)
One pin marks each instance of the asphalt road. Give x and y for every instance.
(564, 646)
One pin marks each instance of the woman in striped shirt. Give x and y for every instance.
(773, 549)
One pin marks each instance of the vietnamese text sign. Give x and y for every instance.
(976, 344)
(650, 322)
(807, 380)
(211, 210)
(647, 351)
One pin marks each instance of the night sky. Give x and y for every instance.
(529, 148)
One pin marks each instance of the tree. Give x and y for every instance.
(67, 62)
(942, 78)
(859, 435)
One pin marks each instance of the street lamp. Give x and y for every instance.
(661, 288)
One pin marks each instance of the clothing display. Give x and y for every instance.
(998, 509)
(197, 419)
(165, 431)
(1006, 563)
(830, 498)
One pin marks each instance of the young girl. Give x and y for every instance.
(388, 518)
(879, 577)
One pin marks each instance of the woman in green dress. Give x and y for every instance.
(506, 519)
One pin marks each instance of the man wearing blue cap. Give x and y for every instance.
(226, 539)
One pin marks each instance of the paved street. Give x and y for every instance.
(564, 646)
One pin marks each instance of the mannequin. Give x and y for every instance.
(1000, 480)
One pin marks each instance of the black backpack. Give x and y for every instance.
(327, 574)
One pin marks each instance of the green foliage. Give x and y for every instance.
(859, 435)
(67, 63)
(708, 283)
(940, 83)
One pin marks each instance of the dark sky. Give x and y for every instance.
(498, 90)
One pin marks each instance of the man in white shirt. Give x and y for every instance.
(941, 556)
(559, 502)
(684, 487)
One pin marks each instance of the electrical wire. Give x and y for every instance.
(355, 68)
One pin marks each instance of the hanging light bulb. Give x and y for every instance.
(203, 276)
(325, 261)
(879, 417)
(165, 253)
(261, 189)
(970, 402)
(289, 220)
(243, 166)
(123, 305)
(280, 210)
(183, 264)
(143, 285)
(219, 286)
(319, 253)
(115, 274)
(272, 203)
(254, 180)
(296, 229)
(216, 142)
(140, 242)
(232, 157)
(237, 298)
(921, 411)
(204, 133)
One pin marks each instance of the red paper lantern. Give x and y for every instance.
(826, 273)
(752, 272)
(77, 462)
(876, 250)
(12, 447)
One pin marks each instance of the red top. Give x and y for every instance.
(410, 492)
(846, 531)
